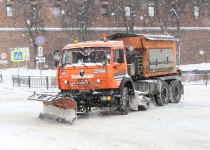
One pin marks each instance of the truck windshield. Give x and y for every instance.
(86, 55)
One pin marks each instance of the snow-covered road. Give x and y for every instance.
(176, 126)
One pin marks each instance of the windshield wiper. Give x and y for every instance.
(97, 64)
(70, 64)
(85, 65)
(73, 66)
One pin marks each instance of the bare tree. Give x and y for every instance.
(169, 12)
(160, 14)
(124, 12)
(78, 14)
(83, 16)
(30, 11)
(69, 16)
(177, 8)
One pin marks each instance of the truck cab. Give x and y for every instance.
(94, 70)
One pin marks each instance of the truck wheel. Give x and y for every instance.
(162, 97)
(124, 101)
(175, 91)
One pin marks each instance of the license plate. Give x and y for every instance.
(82, 82)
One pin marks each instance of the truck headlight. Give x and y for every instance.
(66, 81)
(98, 80)
(106, 98)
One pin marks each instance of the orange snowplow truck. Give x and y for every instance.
(123, 71)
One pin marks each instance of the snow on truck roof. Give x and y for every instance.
(95, 44)
(114, 40)
(147, 36)
(158, 37)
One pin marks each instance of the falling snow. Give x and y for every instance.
(175, 126)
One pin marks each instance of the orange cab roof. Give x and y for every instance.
(113, 44)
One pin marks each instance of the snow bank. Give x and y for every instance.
(190, 67)
(7, 73)
(175, 126)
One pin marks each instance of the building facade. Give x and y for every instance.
(62, 21)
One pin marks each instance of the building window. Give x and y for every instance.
(34, 7)
(104, 7)
(10, 8)
(57, 8)
(151, 8)
(57, 11)
(197, 8)
(9, 2)
(127, 11)
(10, 11)
(34, 10)
(196, 11)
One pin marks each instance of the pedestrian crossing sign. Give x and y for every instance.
(18, 56)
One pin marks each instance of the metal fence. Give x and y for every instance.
(34, 81)
(188, 77)
(1, 78)
(196, 77)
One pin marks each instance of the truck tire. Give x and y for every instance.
(175, 91)
(124, 101)
(162, 98)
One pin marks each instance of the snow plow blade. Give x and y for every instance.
(61, 109)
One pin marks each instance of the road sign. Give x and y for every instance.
(40, 59)
(40, 51)
(18, 56)
(3, 61)
(3, 56)
(26, 51)
(40, 40)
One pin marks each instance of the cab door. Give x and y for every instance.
(119, 65)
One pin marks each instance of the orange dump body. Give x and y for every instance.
(153, 50)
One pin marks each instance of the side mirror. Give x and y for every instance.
(56, 58)
(59, 64)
